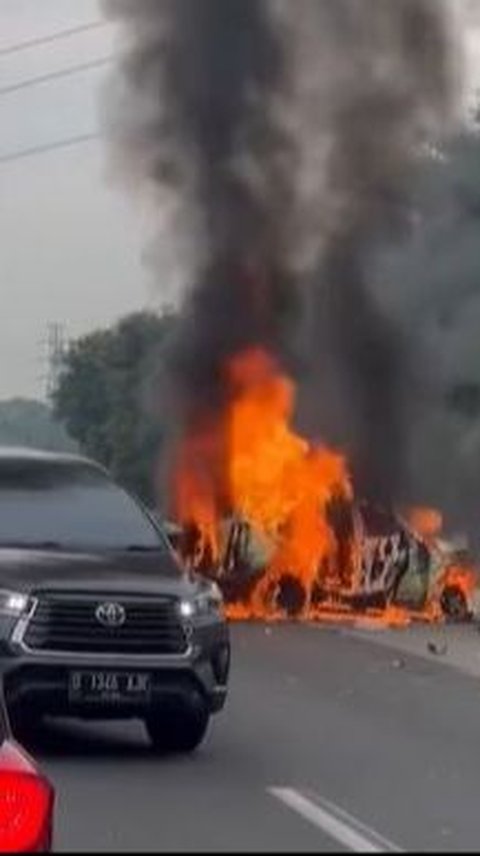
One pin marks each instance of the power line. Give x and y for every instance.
(53, 75)
(52, 37)
(47, 147)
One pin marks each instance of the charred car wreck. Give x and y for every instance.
(385, 562)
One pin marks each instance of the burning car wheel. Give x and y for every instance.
(454, 604)
(290, 596)
(177, 730)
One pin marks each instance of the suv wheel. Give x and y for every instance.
(180, 730)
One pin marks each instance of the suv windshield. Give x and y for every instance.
(70, 504)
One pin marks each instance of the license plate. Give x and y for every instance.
(96, 686)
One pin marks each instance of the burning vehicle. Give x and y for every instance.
(298, 541)
(396, 568)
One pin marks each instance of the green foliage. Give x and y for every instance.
(106, 397)
(25, 422)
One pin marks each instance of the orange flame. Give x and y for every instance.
(279, 482)
(275, 479)
(194, 493)
(427, 522)
(461, 577)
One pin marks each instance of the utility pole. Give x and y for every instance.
(55, 347)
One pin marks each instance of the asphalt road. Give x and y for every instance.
(329, 742)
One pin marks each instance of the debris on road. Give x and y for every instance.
(439, 650)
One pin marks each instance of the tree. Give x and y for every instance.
(106, 397)
(26, 422)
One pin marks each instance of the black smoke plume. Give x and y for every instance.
(289, 133)
(209, 73)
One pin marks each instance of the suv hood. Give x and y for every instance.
(25, 570)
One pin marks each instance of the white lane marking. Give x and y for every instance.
(335, 822)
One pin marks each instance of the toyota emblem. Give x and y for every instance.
(110, 614)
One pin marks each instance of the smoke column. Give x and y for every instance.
(389, 95)
(289, 133)
(209, 73)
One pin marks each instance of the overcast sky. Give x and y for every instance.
(70, 244)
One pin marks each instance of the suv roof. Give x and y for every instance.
(25, 453)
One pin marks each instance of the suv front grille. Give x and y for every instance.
(67, 622)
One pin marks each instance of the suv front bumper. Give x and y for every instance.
(39, 680)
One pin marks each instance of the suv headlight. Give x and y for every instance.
(209, 602)
(13, 603)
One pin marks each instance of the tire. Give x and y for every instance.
(454, 604)
(177, 731)
(291, 596)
